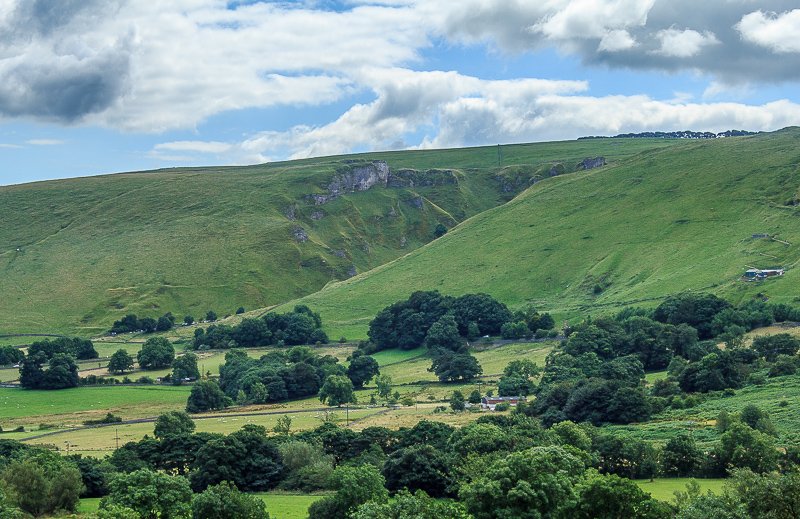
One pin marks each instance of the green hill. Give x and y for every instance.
(661, 222)
(77, 254)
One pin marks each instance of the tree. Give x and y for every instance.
(337, 390)
(252, 333)
(475, 397)
(743, 447)
(205, 396)
(443, 334)
(10, 355)
(31, 373)
(185, 367)
(681, 457)
(156, 353)
(188, 320)
(42, 483)
(384, 383)
(450, 366)
(225, 501)
(120, 362)
(608, 496)
(362, 369)
(211, 316)
(770, 346)
(240, 310)
(354, 486)
(173, 422)
(419, 506)
(62, 373)
(457, 401)
(483, 309)
(440, 230)
(153, 495)
(534, 484)
(283, 425)
(164, 323)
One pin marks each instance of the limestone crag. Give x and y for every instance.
(357, 178)
(592, 163)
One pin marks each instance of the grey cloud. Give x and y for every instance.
(46, 17)
(732, 61)
(63, 88)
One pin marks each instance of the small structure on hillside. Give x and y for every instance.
(488, 402)
(756, 236)
(759, 274)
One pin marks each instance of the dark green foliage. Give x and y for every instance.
(61, 374)
(10, 355)
(173, 422)
(714, 372)
(517, 330)
(483, 309)
(419, 467)
(41, 483)
(337, 390)
(474, 397)
(698, 311)
(444, 334)
(246, 458)
(252, 333)
(94, 474)
(225, 501)
(108, 418)
(405, 324)
(185, 368)
(240, 310)
(120, 362)
(785, 365)
(771, 346)
(156, 353)
(439, 231)
(354, 486)
(362, 369)
(743, 447)
(515, 386)
(457, 401)
(152, 495)
(211, 316)
(450, 367)
(80, 349)
(532, 484)
(206, 396)
(608, 496)
(681, 457)
(164, 323)
(419, 506)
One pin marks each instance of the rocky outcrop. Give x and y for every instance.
(417, 202)
(317, 215)
(403, 241)
(339, 253)
(392, 213)
(290, 212)
(431, 177)
(355, 178)
(591, 163)
(300, 235)
(352, 271)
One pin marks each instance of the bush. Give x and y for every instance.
(502, 406)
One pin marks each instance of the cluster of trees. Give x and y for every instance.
(62, 372)
(10, 355)
(81, 349)
(300, 326)
(277, 375)
(405, 324)
(131, 323)
(498, 466)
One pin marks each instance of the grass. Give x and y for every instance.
(77, 254)
(664, 489)
(646, 226)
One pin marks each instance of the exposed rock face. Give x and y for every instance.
(339, 253)
(592, 163)
(317, 215)
(392, 213)
(403, 241)
(352, 271)
(359, 178)
(417, 202)
(300, 235)
(290, 212)
(431, 177)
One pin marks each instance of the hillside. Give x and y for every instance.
(77, 254)
(661, 222)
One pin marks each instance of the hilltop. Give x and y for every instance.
(78, 254)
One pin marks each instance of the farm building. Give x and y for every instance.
(753, 274)
(488, 402)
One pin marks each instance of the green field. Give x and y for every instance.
(658, 223)
(664, 489)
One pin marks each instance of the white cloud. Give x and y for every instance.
(199, 146)
(584, 19)
(778, 32)
(685, 43)
(45, 142)
(13, 146)
(616, 40)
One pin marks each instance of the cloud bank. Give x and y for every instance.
(148, 67)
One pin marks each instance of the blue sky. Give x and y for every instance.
(90, 87)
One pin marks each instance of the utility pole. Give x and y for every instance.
(116, 436)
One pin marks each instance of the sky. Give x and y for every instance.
(90, 87)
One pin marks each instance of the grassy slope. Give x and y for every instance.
(657, 223)
(77, 254)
